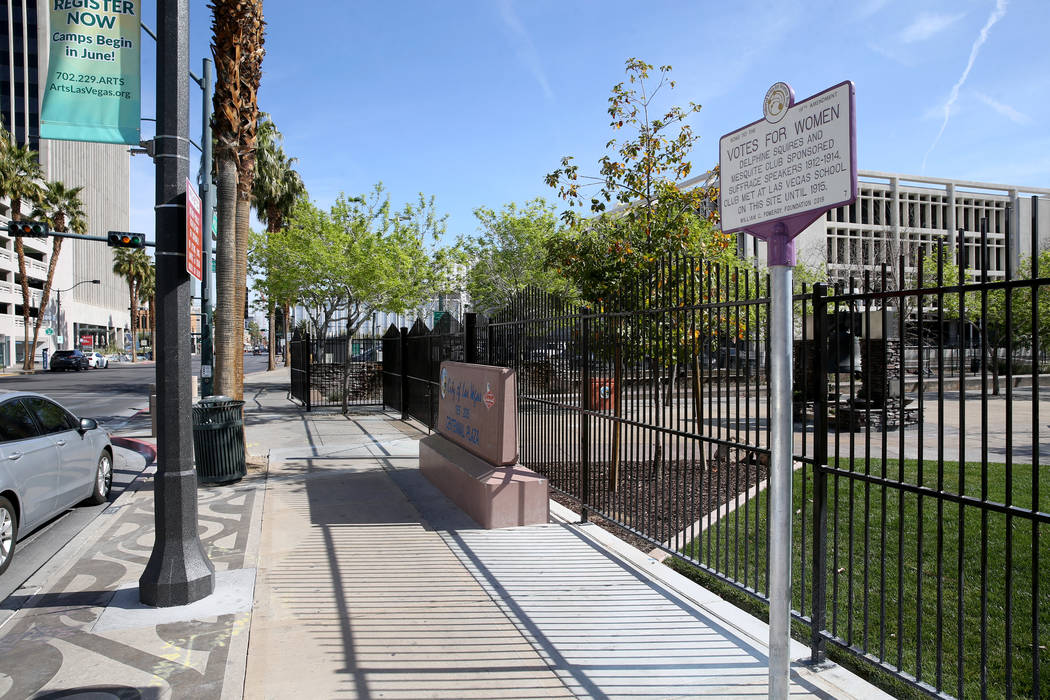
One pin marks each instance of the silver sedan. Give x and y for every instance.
(50, 460)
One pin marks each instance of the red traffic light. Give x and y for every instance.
(123, 239)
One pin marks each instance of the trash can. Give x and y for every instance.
(218, 440)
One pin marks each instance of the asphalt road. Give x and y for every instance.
(110, 395)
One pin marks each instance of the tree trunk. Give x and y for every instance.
(27, 359)
(56, 248)
(287, 332)
(244, 230)
(271, 360)
(225, 318)
(614, 462)
(656, 377)
(134, 295)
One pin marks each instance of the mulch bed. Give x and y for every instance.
(657, 504)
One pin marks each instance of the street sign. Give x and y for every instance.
(193, 232)
(58, 339)
(777, 176)
(791, 166)
(48, 331)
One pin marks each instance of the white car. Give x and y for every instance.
(97, 360)
(50, 460)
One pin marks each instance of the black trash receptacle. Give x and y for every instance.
(218, 440)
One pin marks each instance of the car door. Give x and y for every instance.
(29, 462)
(75, 451)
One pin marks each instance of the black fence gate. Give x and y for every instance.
(339, 371)
(411, 376)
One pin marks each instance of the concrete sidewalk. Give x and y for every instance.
(340, 572)
(372, 584)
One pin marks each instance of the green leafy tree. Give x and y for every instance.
(62, 209)
(509, 254)
(358, 257)
(20, 176)
(613, 255)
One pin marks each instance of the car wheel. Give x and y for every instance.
(103, 478)
(8, 533)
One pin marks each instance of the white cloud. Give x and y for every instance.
(926, 25)
(1004, 109)
(889, 53)
(997, 14)
(526, 50)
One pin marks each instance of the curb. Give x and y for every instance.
(146, 449)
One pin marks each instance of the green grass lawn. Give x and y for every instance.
(896, 582)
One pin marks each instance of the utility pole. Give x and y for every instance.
(178, 571)
(207, 211)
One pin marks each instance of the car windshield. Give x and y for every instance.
(63, 353)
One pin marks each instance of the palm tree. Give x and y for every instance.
(61, 208)
(134, 266)
(275, 190)
(237, 40)
(251, 76)
(148, 295)
(20, 173)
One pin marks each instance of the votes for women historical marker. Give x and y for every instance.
(795, 163)
(473, 457)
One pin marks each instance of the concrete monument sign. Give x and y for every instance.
(473, 457)
(478, 410)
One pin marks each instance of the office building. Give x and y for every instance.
(94, 315)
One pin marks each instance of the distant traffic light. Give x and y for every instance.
(122, 239)
(28, 229)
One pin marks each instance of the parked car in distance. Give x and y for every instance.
(97, 360)
(50, 460)
(68, 359)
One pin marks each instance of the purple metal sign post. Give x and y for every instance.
(777, 176)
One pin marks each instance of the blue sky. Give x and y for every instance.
(474, 101)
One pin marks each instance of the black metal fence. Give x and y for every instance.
(339, 371)
(921, 504)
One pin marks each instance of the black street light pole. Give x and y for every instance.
(58, 307)
(178, 571)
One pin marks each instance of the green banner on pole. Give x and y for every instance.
(93, 91)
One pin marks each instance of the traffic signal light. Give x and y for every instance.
(122, 239)
(28, 229)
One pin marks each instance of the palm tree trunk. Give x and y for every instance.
(134, 294)
(244, 229)
(56, 248)
(225, 286)
(27, 358)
